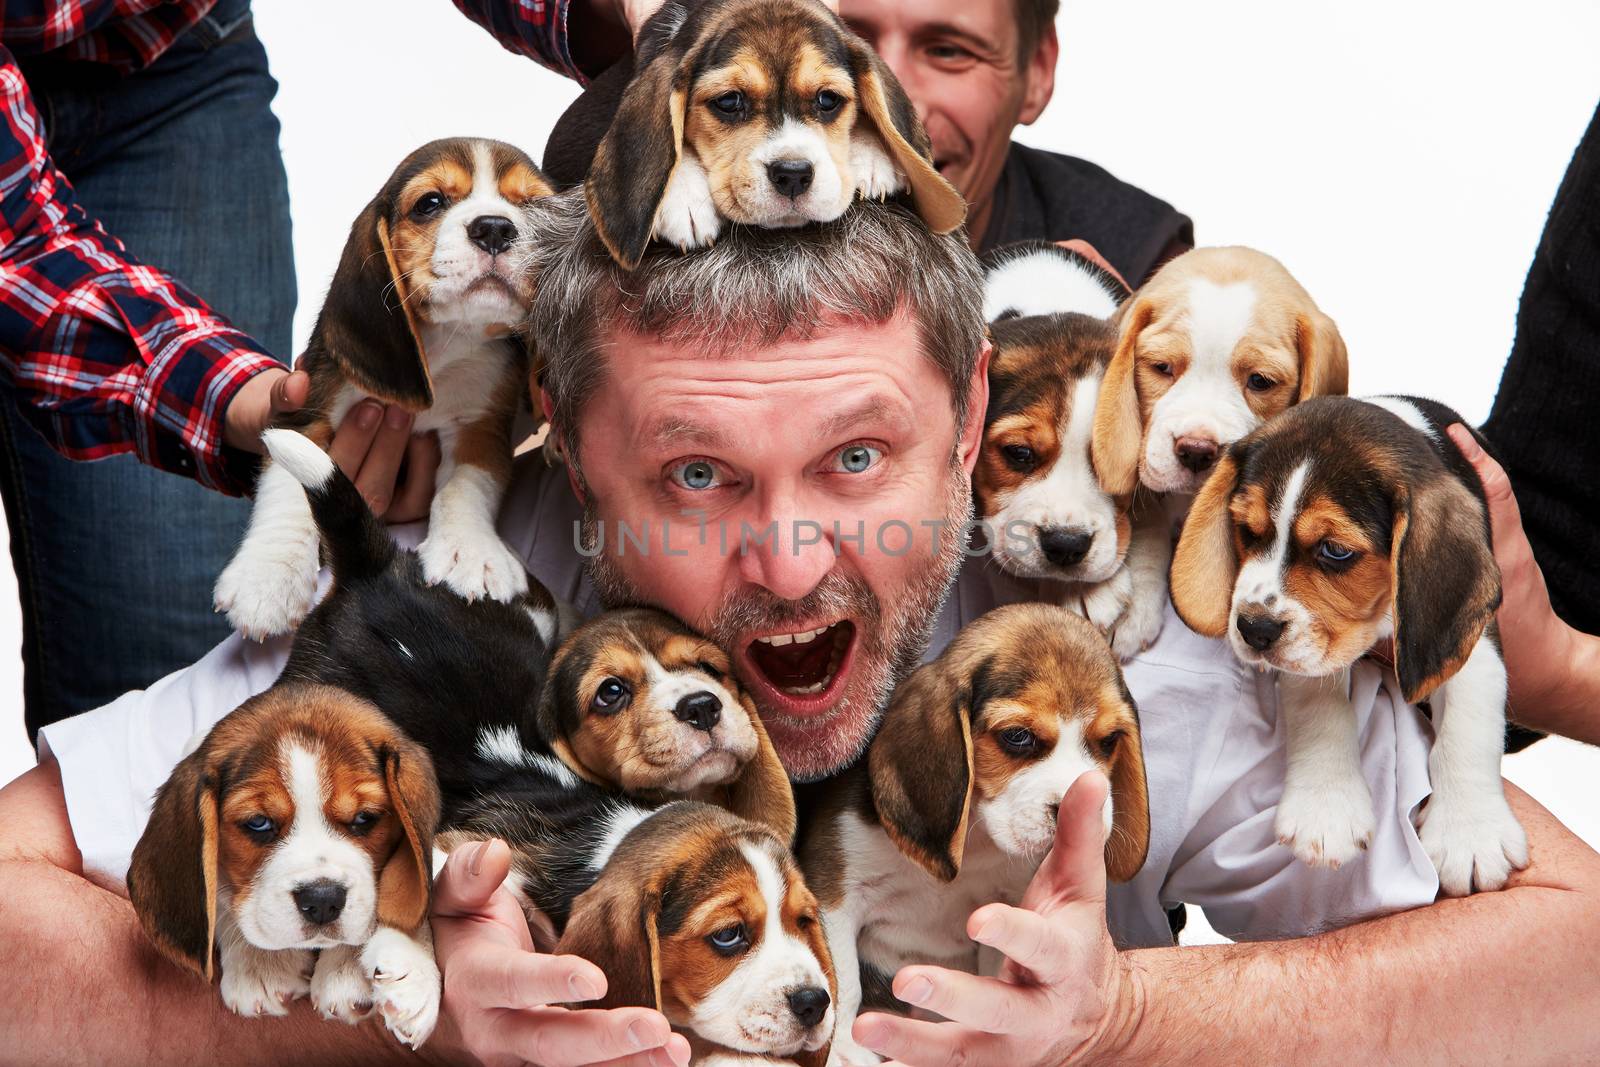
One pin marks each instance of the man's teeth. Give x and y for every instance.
(797, 639)
(827, 676)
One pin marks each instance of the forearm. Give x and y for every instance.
(1497, 977)
(1569, 701)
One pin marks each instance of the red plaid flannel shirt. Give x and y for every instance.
(107, 354)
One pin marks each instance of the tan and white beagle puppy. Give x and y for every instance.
(705, 917)
(295, 841)
(762, 112)
(1339, 524)
(1044, 511)
(421, 313)
(955, 805)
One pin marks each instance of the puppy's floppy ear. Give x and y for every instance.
(1446, 584)
(1118, 430)
(1129, 842)
(1324, 364)
(404, 884)
(762, 792)
(1205, 563)
(613, 925)
(366, 323)
(920, 767)
(172, 880)
(636, 157)
(885, 104)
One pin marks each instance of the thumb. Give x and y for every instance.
(1075, 869)
(470, 877)
(1505, 517)
(290, 392)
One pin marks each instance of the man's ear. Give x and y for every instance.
(884, 104)
(1445, 583)
(1040, 76)
(762, 792)
(1205, 563)
(1118, 428)
(1324, 363)
(172, 880)
(404, 883)
(1129, 842)
(636, 157)
(977, 408)
(613, 925)
(920, 767)
(366, 323)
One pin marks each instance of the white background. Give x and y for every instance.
(1399, 158)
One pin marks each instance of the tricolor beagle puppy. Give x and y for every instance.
(296, 841)
(762, 112)
(955, 805)
(1338, 524)
(705, 917)
(1045, 513)
(421, 313)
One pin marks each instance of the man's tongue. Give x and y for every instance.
(802, 668)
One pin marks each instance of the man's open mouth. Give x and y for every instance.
(802, 669)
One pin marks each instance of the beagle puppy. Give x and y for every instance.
(1043, 510)
(761, 112)
(421, 313)
(705, 917)
(1216, 343)
(295, 841)
(1338, 524)
(954, 806)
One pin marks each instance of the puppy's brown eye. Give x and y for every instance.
(1259, 383)
(1163, 369)
(828, 102)
(612, 696)
(363, 822)
(706, 668)
(1332, 552)
(729, 941)
(1017, 740)
(428, 205)
(1020, 458)
(1109, 743)
(730, 104)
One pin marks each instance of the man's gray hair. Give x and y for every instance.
(749, 290)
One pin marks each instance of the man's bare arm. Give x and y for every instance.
(1506, 977)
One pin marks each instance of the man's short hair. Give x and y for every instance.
(1033, 18)
(751, 289)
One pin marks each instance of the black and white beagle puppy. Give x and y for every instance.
(762, 112)
(1339, 524)
(421, 313)
(705, 917)
(295, 841)
(955, 804)
(1045, 512)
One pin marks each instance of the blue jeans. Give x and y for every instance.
(114, 560)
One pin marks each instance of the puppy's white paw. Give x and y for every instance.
(1327, 824)
(1141, 624)
(475, 563)
(877, 177)
(269, 587)
(1474, 844)
(844, 1052)
(1104, 603)
(405, 984)
(687, 216)
(258, 982)
(339, 986)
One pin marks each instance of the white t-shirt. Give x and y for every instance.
(1213, 748)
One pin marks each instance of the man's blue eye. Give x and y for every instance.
(696, 474)
(258, 824)
(1334, 552)
(729, 940)
(857, 458)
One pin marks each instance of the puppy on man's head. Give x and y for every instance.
(762, 112)
(421, 313)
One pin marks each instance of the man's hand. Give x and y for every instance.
(635, 13)
(259, 403)
(1062, 996)
(499, 992)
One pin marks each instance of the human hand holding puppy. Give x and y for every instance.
(1063, 996)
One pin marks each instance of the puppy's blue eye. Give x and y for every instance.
(1334, 552)
(1259, 383)
(428, 205)
(730, 940)
(857, 458)
(729, 103)
(612, 694)
(1018, 740)
(259, 824)
(696, 474)
(1019, 458)
(828, 101)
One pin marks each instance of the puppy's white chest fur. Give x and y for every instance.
(467, 369)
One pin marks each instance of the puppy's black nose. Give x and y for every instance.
(1196, 453)
(320, 901)
(1259, 631)
(809, 1005)
(700, 710)
(790, 177)
(1064, 546)
(492, 233)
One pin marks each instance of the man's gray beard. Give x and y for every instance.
(884, 655)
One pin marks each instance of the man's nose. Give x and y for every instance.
(786, 558)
